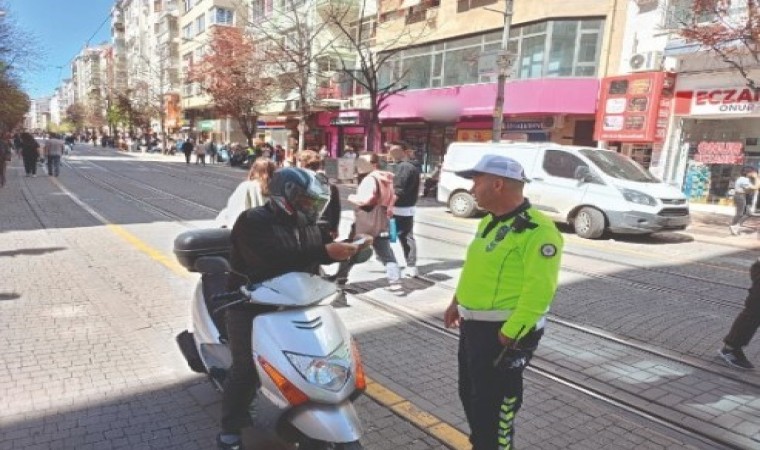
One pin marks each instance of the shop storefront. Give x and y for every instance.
(559, 110)
(716, 130)
(633, 114)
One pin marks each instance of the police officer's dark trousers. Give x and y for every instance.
(491, 397)
(746, 323)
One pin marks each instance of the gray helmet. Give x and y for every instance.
(300, 193)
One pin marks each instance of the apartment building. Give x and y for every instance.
(559, 51)
(146, 58)
(303, 109)
(196, 21)
(89, 71)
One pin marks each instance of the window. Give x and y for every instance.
(417, 71)
(531, 62)
(188, 5)
(187, 31)
(258, 9)
(461, 66)
(200, 24)
(466, 5)
(562, 164)
(221, 16)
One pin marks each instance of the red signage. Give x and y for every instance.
(720, 153)
(635, 108)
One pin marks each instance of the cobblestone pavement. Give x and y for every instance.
(88, 321)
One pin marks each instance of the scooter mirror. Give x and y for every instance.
(212, 265)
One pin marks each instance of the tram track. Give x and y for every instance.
(703, 432)
(541, 368)
(652, 287)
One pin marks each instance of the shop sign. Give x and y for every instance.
(345, 120)
(709, 152)
(206, 125)
(530, 125)
(730, 101)
(635, 108)
(474, 135)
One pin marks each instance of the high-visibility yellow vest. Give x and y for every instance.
(513, 267)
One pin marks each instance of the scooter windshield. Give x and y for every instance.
(292, 289)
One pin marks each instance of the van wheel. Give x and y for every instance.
(462, 204)
(589, 223)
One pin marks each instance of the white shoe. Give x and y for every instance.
(411, 272)
(734, 229)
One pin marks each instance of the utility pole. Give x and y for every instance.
(505, 61)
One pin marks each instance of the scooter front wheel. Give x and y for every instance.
(311, 444)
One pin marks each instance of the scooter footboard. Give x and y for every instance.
(329, 423)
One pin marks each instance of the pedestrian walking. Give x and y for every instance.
(211, 151)
(330, 219)
(30, 152)
(744, 194)
(187, 149)
(745, 325)
(200, 153)
(374, 199)
(17, 144)
(252, 192)
(406, 183)
(507, 284)
(53, 148)
(6, 153)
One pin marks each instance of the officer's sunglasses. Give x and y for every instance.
(501, 233)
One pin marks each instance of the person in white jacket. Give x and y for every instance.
(252, 192)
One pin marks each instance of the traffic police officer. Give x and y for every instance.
(507, 283)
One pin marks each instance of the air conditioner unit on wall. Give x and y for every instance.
(646, 61)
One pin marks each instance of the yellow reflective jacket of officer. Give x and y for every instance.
(512, 265)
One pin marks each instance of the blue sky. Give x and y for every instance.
(61, 28)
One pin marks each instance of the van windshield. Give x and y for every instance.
(619, 166)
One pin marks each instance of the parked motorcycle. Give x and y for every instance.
(309, 367)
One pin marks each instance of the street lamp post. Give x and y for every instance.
(505, 61)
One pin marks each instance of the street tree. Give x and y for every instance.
(729, 31)
(75, 114)
(232, 74)
(18, 49)
(294, 38)
(370, 50)
(14, 104)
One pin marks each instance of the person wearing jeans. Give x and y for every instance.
(53, 150)
(406, 184)
(744, 189)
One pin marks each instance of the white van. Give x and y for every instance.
(592, 189)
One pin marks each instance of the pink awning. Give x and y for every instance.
(533, 96)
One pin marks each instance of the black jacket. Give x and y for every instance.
(406, 184)
(330, 219)
(267, 243)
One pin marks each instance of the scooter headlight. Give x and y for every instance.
(329, 372)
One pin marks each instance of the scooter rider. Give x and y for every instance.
(267, 241)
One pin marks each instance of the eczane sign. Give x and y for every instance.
(726, 101)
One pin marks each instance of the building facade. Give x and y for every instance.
(559, 51)
(197, 20)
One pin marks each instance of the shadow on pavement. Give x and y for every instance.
(31, 251)
(9, 296)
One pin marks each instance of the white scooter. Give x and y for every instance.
(309, 367)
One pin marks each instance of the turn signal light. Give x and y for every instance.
(292, 394)
(361, 381)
